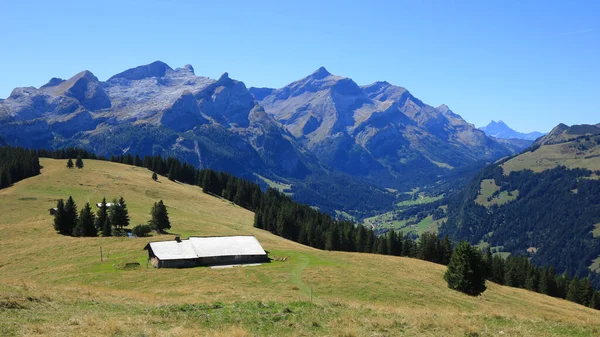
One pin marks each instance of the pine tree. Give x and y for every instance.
(106, 228)
(154, 176)
(70, 163)
(466, 270)
(101, 215)
(79, 162)
(446, 250)
(5, 179)
(60, 218)
(497, 272)
(85, 223)
(595, 301)
(160, 217)
(70, 216)
(118, 214)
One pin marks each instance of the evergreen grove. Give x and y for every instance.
(107, 221)
(277, 213)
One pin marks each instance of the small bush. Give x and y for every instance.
(141, 230)
(118, 232)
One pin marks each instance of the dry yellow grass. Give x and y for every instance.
(55, 285)
(550, 156)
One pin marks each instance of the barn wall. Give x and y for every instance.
(184, 263)
(211, 261)
(234, 259)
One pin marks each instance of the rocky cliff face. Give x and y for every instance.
(377, 131)
(318, 129)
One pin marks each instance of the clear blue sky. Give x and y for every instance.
(532, 64)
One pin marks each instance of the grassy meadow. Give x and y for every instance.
(52, 285)
(550, 156)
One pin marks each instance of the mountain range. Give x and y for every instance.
(316, 132)
(499, 129)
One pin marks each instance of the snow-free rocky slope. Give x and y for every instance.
(318, 132)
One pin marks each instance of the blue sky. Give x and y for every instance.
(532, 64)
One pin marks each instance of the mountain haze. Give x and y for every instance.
(499, 129)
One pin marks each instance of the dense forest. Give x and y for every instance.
(17, 164)
(551, 221)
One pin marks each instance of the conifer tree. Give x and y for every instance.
(79, 162)
(70, 163)
(5, 179)
(466, 270)
(160, 217)
(118, 214)
(70, 216)
(60, 218)
(595, 301)
(85, 223)
(101, 215)
(106, 228)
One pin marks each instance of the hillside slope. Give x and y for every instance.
(56, 285)
(544, 203)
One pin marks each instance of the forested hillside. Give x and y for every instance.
(17, 164)
(544, 203)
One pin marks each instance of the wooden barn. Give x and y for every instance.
(206, 251)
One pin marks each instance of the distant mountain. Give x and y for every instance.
(544, 203)
(380, 132)
(499, 129)
(337, 145)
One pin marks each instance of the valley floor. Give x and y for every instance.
(55, 285)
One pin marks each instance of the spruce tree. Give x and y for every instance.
(70, 216)
(60, 218)
(70, 163)
(595, 301)
(466, 270)
(124, 219)
(79, 162)
(5, 179)
(85, 223)
(106, 228)
(160, 217)
(101, 215)
(118, 214)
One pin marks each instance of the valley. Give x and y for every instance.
(56, 285)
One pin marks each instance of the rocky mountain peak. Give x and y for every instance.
(499, 129)
(320, 73)
(189, 68)
(54, 81)
(224, 78)
(154, 69)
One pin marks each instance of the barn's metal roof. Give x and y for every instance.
(197, 247)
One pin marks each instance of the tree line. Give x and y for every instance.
(517, 271)
(16, 164)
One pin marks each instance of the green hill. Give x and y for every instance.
(543, 203)
(56, 285)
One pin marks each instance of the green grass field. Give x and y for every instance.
(550, 156)
(488, 188)
(52, 285)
